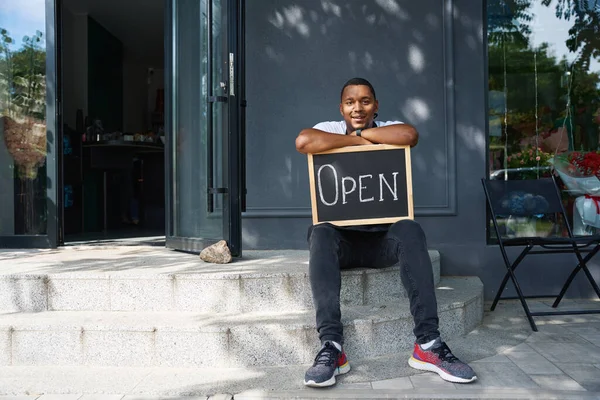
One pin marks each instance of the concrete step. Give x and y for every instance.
(148, 278)
(191, 339)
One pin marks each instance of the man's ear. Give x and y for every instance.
(376, 106)
(341, 109)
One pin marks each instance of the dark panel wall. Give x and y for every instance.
(105, 77)
(299, 54)
(426, 60)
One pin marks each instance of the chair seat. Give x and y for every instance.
(553, 242)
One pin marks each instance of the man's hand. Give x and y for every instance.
(315, 141)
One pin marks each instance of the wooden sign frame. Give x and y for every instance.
(363, 148)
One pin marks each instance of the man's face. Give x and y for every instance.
(358, 107)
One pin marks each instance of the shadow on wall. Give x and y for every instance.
(299, 54)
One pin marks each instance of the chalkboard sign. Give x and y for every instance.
(361, 185)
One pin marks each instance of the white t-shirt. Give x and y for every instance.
(339, 127)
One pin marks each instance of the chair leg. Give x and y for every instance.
(591, 279)
(566, 286)
(500, 290)
(523, 302)
(582, 265)
(509, 267)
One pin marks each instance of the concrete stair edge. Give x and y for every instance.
(252, 289)
(27, 339)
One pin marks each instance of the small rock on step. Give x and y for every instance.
(217, 253)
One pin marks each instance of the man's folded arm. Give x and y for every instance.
(399, 134)
(313, 140)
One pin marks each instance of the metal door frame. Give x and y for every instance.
(234, 156)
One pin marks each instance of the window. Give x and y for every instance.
(544, 97)
(23, 118)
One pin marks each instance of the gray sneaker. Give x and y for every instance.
(329, 363)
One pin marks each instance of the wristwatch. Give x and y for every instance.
(358, 132)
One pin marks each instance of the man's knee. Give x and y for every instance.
(406, 229)
(323, 237)
(321, 232)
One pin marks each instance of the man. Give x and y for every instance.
(334, 248)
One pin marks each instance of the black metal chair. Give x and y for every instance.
(534, 199)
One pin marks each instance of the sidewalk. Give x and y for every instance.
(561, 361)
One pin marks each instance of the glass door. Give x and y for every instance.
(204, 123)
(29, 140)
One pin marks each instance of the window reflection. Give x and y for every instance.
(23, 118)
(544, 96)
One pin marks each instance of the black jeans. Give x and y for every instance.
(333, 249)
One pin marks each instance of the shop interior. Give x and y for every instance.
(113, 119)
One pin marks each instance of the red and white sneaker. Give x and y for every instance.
(439, 359)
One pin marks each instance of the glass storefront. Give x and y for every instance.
(544, 97)
(23, 113)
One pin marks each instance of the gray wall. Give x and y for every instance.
(428, 68)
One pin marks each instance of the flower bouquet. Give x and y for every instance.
(580, 172)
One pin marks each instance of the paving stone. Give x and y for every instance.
(430, 380)
(586, 329)
(499, 376)
(186, 382)
(19, 397)
(556, 382)
(494, 359)
(587, 375)
(56, 380)
(146, 397)
(353, 386)
(523, 347)
(532, 362)
(395, 384)
(560, 336)
(221, 396)
(101, 397)
(567, 352)
(593, 339)
(60, 397)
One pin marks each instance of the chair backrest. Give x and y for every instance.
(523, 197)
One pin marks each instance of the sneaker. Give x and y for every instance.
(329, 363)
(440, 360)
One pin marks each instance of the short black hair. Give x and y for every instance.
(358, 81)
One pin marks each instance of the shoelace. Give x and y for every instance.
(327, 355)
(443, 351)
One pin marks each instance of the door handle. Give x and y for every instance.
(231, 75)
